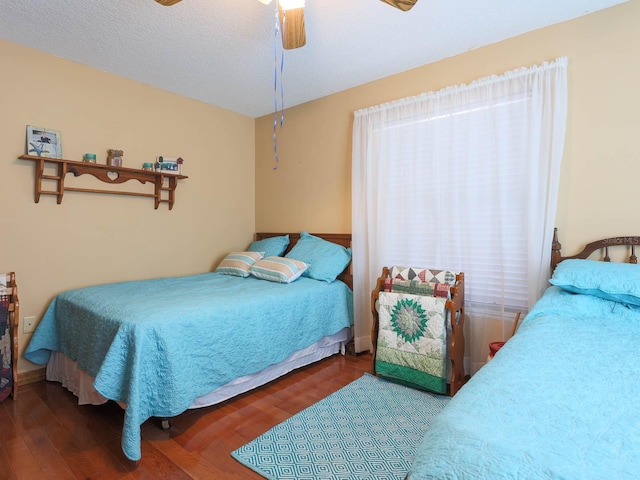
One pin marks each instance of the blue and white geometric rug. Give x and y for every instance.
(369, 429)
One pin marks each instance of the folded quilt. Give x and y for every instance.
(412, 340)
(417, 287)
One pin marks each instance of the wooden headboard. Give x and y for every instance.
(604, 244)
(343, 239)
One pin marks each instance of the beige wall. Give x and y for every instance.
(95, 238)
(312, 187)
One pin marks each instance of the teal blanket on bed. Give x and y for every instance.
(156, 345)
(558, 401)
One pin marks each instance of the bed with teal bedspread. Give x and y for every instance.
(156, 345)
(559, 400)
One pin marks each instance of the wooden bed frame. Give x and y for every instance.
(455, 308)
(604, 244)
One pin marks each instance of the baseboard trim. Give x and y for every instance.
(362, 344)
(31, 376)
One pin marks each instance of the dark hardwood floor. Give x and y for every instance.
(46, 435)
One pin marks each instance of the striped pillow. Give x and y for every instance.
(239, 263)
(278, 269)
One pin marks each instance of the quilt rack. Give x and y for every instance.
(454, 307)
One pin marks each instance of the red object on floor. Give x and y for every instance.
(494, 347)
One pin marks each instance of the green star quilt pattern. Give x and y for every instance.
(412, 340)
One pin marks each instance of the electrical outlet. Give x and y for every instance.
(28, 324)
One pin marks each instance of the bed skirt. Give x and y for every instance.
(61, 368)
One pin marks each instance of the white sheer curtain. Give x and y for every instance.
(465, 179)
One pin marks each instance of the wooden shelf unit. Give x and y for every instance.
(13, 311)
(107, 174)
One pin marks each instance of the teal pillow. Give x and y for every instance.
(272, 247)
(619, 282)
(326, 259)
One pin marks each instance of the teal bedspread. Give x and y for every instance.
(559, 400)
(156, 345)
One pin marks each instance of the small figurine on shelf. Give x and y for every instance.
(114, 157)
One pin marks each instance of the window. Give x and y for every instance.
(463, 179)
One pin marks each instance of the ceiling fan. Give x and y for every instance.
(291, 14)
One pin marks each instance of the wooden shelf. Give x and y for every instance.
(162, 182)
(13, 315)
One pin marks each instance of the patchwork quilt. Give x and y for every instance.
(423, 275)
(412, 340)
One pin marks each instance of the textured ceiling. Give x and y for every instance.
(222, 51)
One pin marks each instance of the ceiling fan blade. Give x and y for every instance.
(292, 28)
(167, 3)
(403, 5)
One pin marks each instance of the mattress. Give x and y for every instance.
(61, 368)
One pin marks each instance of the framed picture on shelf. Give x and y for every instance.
(44, 142)
(171, 165)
